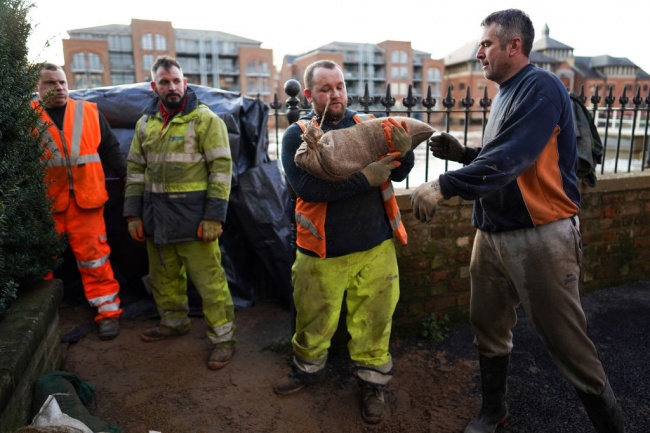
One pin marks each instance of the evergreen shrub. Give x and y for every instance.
(29, 243)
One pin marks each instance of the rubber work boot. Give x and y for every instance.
(372, 403)
(109, 329)
(295, 381)
(494, 411)
(603, 410)
(220, 357)
(161, 332)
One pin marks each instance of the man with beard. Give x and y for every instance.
(179, 171)
(528, 249)
(345, 251)
(77, 140)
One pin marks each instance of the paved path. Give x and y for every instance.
(540, 399)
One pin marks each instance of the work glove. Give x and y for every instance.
(445, 146)
(378, 172)
(136, 229)
(209, 230)
(397, 135)
(425, 200)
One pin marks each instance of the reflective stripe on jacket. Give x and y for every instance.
(310, 216)
(179, 173)
(72, 159)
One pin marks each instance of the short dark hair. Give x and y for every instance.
(50, 67)
(308, 78)
(512, 23)
(165, 62)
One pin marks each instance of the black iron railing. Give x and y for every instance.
(624, 129)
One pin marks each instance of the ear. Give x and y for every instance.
(515, 46)
(153, 86)
(307, 93)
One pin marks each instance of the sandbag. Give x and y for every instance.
(336, 155)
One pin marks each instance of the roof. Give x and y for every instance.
(112, 29)
(581, 65)
(463, 54)
(547, 43)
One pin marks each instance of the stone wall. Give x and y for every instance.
(30, 347)
(434, 266)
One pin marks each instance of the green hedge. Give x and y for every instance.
(29, 244)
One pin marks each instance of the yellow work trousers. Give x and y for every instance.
(369, 281)
(169, 267)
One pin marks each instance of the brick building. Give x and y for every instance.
(389, 62)
(122, 54)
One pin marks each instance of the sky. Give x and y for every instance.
(294, 27)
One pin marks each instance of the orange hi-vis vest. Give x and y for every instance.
(73, 166)
(310, 216)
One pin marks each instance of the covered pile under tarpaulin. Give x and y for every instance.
(256, 243)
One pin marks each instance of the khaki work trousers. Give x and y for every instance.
(539, 270)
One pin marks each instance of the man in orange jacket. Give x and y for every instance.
(77, 140)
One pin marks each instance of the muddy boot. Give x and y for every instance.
(603, 410)
(494, 411)
(372, 403)
(295, 381)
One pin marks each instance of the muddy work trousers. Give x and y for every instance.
(369, 281)
(538, 269)
(169, 267)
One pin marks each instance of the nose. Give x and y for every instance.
(479, 53)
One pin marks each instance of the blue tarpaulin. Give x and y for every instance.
(256, 243)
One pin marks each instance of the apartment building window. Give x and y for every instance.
(399, 72)
(190, 65)
(227, 47)
(118, 78)
(257, 85)
(121, 61)
(87, 80)
(399, 57)
(147, 61)
(434, 79)
(161, 42)
(400, 89)
(146, 41)
(189, 46)
(120, 43)
(257, 67)
(87, 62)
(227, 66)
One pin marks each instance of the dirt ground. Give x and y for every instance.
(166, 386)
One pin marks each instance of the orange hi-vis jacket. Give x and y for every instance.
(310, 216)
(73, 165)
